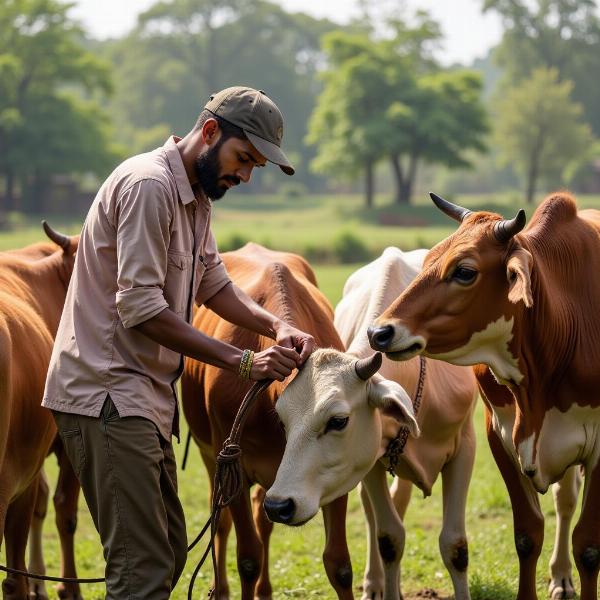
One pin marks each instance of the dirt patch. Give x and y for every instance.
(425, 593)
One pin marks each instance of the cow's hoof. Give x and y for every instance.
(371, 591)
(561, 590)
(37, 590)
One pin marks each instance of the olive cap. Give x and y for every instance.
(259, 118)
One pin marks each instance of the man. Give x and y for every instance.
(146, 253)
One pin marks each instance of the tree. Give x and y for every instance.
(553, 34)
(388, 98)
(46, 129)
(539, 129)
(348, 124)
(181, 51)
(441, 118)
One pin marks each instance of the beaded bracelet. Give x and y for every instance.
(246, 364)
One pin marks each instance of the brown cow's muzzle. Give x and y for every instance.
(395, 340)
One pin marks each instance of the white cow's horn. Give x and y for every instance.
(367, 367)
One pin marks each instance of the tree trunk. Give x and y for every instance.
(9, 197)
(404, 181)
(369, 184)
(532, 177)
(534, 166)
(36, 194)
(398, 177)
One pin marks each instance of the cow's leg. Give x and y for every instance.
(390, 530)
(223, 529)
(401, 490)
(336, 557)
(16, 530)
(249, 548)
(565, 494)
(373, 579)
(528, 520)
(37, 588)
(586, 536)
(264, 527)
(66, 496)
(456, 476)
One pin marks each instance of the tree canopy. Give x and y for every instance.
(49, 119)
(387, 98)
(554, 34)
(540, 130)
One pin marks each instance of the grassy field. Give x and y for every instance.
(297, 570)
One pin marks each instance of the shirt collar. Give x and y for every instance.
(186, 194)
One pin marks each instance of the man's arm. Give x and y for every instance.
(171, 331)
(234, 305)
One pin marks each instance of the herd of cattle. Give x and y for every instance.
(496, 309)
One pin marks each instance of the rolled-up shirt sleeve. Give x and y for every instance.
(215, 276)
(143, 232)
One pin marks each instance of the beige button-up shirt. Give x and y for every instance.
(146, 245)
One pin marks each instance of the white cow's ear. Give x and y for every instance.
(518, 272)
(391, 398)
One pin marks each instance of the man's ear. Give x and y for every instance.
(210, 131)
(518, 273)
(390, 397)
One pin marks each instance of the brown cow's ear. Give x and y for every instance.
(518, 273)
(390, 397)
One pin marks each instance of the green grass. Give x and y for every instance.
(296, 567)
(310, 225)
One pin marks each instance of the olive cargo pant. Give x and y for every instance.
(128, 476)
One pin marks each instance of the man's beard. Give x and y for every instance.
(208, 167)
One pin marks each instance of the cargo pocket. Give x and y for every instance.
(70, 434)
(178, 280)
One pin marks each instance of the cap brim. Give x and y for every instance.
(271, 152)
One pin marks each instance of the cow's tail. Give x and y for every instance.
(5, 405)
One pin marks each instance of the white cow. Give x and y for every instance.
(339, 428)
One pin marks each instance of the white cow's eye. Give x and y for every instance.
(464, 275)
(336, 424)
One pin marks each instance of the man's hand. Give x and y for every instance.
(275, 362)
(290, 337)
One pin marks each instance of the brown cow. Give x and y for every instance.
(35, 277)
(286, 286)
(522, 304)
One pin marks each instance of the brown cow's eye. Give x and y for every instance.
(336, 424)
(464, 275)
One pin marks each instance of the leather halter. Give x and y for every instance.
(396, 446)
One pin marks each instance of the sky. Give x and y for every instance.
(467, 33)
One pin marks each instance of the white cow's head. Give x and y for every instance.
(331, 416)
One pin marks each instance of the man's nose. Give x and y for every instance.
(244, 173)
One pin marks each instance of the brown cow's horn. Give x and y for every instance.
(505, 229)
(458, 213)
(367, 367)
(58, 238)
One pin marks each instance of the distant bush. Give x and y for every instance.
(292, 189)
(348, 248)
(317, 254)
(233, 242)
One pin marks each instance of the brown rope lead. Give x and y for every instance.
(228, 482)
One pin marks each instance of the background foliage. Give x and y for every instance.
(367, 105)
